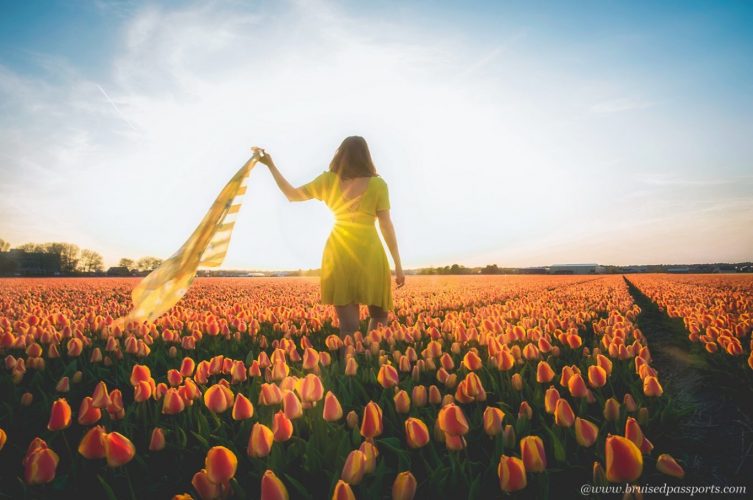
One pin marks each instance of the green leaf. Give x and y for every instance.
(298, 487)
(201, 439)
(108, 491)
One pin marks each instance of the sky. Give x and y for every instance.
(515, 133)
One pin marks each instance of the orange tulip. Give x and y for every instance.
(597, 376)
(586, 432)
(550, 399)
(533, 453)
(402, 402)
(452, 420)
(371, 424)
(157, 440)
(332, 411)
(454, 442)
(172, 402)
(60, 415)
(544, 372)
(563, 414)
(416, 433)
(40, 465)
(87, 413)
(404, 486)
(633, 432)
(3, 439)
(652, 387)
(140, 373)
(577, 386)
(512, 474)
(221, 464)
(242, 408)
(472, 361)
(669, 466)
(624, 460)
(388, 376)
(272, 488)
(343, 491)
(207, 489)
(218, 398)
(119, 450)
(493, 418)
(92, 445)
(354, 467)
(371, 453)
(282, 427)
(270, 395)
(517, 382)
(292, 405)
(312, 389)
(611, 409)
(260, 441)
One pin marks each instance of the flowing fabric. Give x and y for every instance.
(207, 246)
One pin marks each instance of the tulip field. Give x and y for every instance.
(478, 387)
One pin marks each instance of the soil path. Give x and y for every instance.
(714, 439)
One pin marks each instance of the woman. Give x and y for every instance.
(354, 265)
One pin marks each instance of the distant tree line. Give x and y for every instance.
(60, 258)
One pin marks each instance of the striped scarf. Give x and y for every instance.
(207, 246)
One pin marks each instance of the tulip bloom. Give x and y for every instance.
(544, 373)
(512, 474)
(354, 467)
(157, 440)
(332, 411)
(624, 460)
(416, 433)
(312, 389)
(404, 487)
(343, 491)
(272, 488)
(220, 464)
(402, 402)
(387, 376)
(60, 415)
(577, 386)
(493, 418)
(472, 361)
(291, 405)
(3, 439)
(119, 450)
(611, 409)
(172, 403)
(87, 413)
(585, 432)
(563, 414)
(652, 387)
(140, 373)
(282, 427)
(550, 399)
(242, 408)
(452, 420)
(371, 453)
(371, 424)
(206, 488)
(633, 431)
(669, 466)
(260, 441)
(218, 398)
(533, 453)
(269, 395)
(597, 376)
(92, 445)
(40, 464)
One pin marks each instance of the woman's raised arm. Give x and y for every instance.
(291, 193)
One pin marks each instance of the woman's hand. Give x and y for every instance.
(264, 157)
(399, 277)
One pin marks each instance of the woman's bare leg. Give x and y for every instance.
(377, 315)
(349, 319)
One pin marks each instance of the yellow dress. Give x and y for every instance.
(355, 269)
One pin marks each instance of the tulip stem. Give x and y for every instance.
(67, 446)
(130, 484)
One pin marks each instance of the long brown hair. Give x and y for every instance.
(353, 159)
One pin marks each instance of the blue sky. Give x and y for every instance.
(515, 133)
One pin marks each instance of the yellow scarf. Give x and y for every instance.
(207, 246)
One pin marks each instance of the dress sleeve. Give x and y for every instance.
(383, 197)
(317, 187)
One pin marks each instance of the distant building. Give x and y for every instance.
(20, 263)
(576, 269)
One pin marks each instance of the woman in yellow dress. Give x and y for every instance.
(355, 269)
